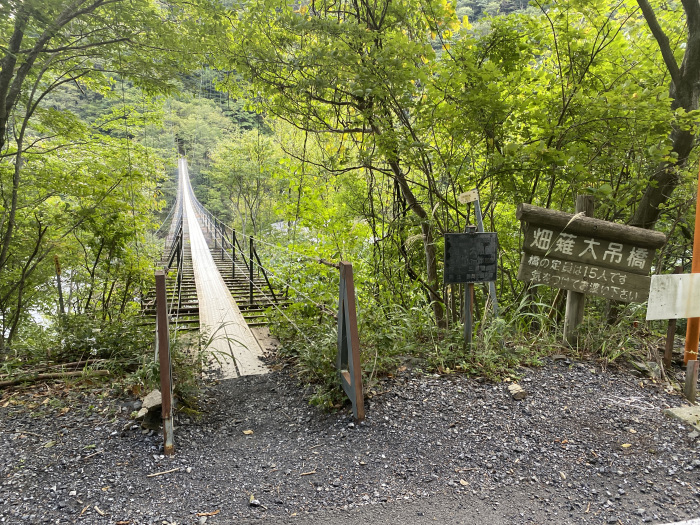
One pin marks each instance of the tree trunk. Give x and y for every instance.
(428, 244)
(684, 90)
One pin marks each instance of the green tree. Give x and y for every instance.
(58, 172)
(684, 90)
(355, 71)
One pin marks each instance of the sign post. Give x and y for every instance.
(470, 258)
(466, 198)
(576, 301)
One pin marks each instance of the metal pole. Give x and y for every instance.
(468, 304)
(670, 333)
(164, 360)
(233, 254)
(691, 380)
(692, 332)
(480, 228)
(250, 274)
(348, 357)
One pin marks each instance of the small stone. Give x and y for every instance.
(517, 391)
(640, 512)
(72, 493)
(188, 470)
(351, 425)
(202, 520)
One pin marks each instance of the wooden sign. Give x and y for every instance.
(470, 257)
(674, 296)
(468, 196)
(587, 255)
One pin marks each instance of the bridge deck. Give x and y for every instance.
(233, 349)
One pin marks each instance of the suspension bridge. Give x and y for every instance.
(216, 284)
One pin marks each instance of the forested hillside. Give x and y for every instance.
(338, 130)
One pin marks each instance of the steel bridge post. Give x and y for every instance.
(165, 363)
(233, 254)
(250, 271)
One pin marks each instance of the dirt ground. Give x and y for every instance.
(585, 446)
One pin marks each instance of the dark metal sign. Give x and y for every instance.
(470, 257)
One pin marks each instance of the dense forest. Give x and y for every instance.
(337, 130)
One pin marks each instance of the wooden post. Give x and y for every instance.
(575, 301)
(692, 332)
(166, 387)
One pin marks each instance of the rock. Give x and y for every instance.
(152, 401)
(202, 520)
(254, 502)
(152, 420)
(517, 391)
(141, 414)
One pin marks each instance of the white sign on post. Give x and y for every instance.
(674, 296)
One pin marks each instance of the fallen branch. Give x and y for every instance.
(94, 454)
(52, 375)
(46, 366)
(161, 473)
(308, 473)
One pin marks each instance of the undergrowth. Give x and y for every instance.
(395, 338)
(124, 347)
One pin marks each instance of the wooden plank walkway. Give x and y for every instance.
(233, 349)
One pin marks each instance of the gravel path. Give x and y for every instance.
(585, 446)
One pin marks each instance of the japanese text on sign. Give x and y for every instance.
(585, 278)
(588, 250)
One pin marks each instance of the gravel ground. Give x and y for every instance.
(585, 446)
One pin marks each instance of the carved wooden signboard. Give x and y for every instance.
(587, 255)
